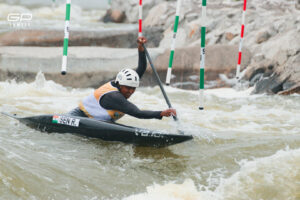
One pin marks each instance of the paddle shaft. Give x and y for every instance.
(159, 81)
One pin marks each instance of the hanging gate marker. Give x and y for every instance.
(241, 43)
(66, 38)
(202, 56)
(140, 18)
(169, 73)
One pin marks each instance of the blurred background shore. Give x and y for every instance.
(103, 41)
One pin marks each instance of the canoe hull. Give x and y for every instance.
(103, 130)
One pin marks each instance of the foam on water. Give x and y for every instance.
(39, 96)
(275, 177)
(222, 107)
(236, 111)
(236, 149)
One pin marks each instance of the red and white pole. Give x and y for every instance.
(140, 17)
(241, 43)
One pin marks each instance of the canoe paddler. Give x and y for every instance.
(109, 102)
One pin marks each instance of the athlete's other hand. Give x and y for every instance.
(167, 113)
(141, 40)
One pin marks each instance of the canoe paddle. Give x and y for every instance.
(159, 81)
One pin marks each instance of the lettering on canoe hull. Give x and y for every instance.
(56, 119)
(148, 133)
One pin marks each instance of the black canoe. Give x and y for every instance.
(100, 129)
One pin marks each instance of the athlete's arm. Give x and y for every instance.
(116, 101)
(142, 63)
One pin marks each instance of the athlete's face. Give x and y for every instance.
(127, 91)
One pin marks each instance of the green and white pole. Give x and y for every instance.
(53, 4)
(169, 73)
(66, 38)
(202, 57)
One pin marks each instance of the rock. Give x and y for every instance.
(115, 16)
(269, 85)
(272, 41)
(163, 14)
(258, 57)
(168, 37)
(131, 8)
(290, 71)
(265, 67)
(297, 4)
(287, 85)
(292, 90)
(229, 36)
(157, 15)
(257, 77)
(282, 42)
(262, 37)
(193, 29)
(284, 80)
(284, 53)
(281, 57)
(107, 17)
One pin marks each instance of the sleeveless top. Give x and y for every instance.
(90, 105)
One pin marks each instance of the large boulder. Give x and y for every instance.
(131, 8)
(279, 66)
(159, 15)
(115, 16)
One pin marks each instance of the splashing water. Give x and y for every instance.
(245, 147)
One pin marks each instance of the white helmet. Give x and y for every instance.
(128, 77)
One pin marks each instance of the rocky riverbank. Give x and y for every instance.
(271, 47)
(272, 38)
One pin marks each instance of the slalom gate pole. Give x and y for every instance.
(169, 72)
(140, 17)
(66, 38)
(53, 4)
(202, 56)
(241, 43)
(159, 81)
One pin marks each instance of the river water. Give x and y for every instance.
(245, 147)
